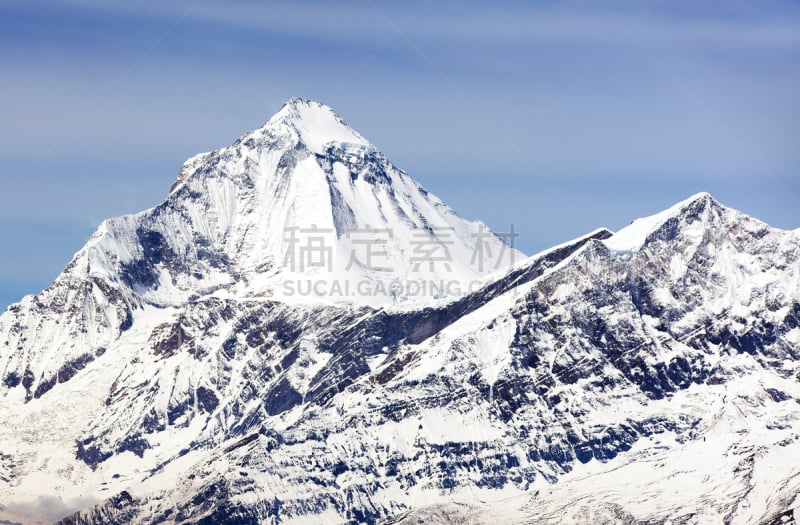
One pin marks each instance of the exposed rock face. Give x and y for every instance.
(641, 376)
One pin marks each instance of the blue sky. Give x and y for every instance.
(558, 117)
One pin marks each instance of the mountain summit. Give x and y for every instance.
(700, 212)
(304, 196)
(170, 375)
(316, 124)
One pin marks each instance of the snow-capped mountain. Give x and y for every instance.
(170, 376)
(306, 195)
(303, 209)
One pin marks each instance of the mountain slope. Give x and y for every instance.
(608, 372)
(168, 377)
(303, 209)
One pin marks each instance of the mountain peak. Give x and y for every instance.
(303, 196)
(636, 234)
(315, 123)
(296, 108)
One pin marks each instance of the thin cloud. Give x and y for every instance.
(44, 509)
(362, 22)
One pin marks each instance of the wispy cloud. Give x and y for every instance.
(725, 23)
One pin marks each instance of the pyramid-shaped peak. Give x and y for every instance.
(698, 199)
(699, 196)
(636, 234)
(304, 195)
(297, 107)
(689, 208)
(316, 124)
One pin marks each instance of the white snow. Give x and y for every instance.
(221, 240)
(317, 124)
(631, 237)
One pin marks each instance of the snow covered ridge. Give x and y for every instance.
(176, 371)
(304, 196)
